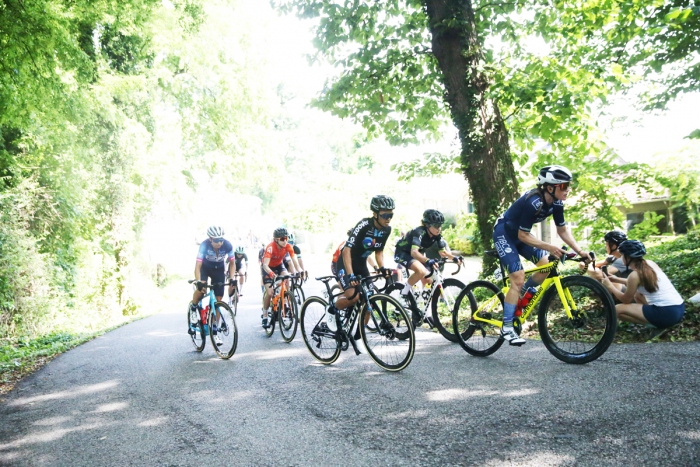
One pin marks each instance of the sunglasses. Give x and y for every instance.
(217, 240)
(436, 226)
(283, 239)
(386, 217)
(564, 186)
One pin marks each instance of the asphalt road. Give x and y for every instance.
(141, 396)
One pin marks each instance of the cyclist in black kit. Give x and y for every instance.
(368, 236)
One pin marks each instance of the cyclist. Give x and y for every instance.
(273, 266)
(297, 251)
(241, 266)
(261, 253)
(367, 237)
(211, 260)
(336, 254)
(512, 237)
(658, 301)
(411, 248)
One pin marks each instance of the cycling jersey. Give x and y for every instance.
(528, 210)
(363, 241)
(420, 239)
(240, 259)
(297, 251)
(276, 253)
(214, 259)
(336, 253)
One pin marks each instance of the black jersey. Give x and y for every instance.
(365, 239)
(239, 260)
(418, 238)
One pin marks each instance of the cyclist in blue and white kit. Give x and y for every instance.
(211, 262)
(512, 238)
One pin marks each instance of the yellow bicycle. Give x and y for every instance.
(576, 321)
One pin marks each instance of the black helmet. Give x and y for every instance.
(615, 237)
(381, 203)
(433, 216)
(280, 232)
(553, 175)
(632, 248)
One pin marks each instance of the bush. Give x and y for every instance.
(461, 236)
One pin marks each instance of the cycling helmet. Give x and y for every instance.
(433, 216)
(615, 237)
(240, 250)
(280, 232)
(291, 239)
(215, 231)
(381, 203)
(553, 175)
(632, 248)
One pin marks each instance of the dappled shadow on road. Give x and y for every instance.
(73, 393)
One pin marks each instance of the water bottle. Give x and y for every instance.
(524, 300)
(427, 290)
(205, 313)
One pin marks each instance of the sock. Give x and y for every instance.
(530, 282)
(406, 289)
(508, 314)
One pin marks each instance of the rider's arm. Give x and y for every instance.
(347, 260)
(296, 266)
(379, 256)
(565, 234)
(197, 270)
(529, 239)
(265, 265)
(372, 262)
(416, 254)
(628, 295)
(232, 268)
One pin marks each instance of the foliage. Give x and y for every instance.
(680, 260)
(646, 228)
(462, 235)
(680, 175)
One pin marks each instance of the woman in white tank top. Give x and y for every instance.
(657, 300)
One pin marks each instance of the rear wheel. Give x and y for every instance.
(442, 305)
(591, 331)
(226, 329)
(486, 301)
(407, 302)
(320, 341)
(288, 317)
(298, 296)
(196, 330)
(393, 344)
(271, 319)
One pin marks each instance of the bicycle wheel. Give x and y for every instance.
(234, 302)
(272, 318)
(591, 331)
(477, 337)
(288, 318)
(388, 350)
(194, 323)
(318, 338)
(299, 296)
(226, 329)
(406, 301)
(443, 303)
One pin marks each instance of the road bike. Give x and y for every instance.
(576, 319)
(438, 296)
(297, 291)
(215, 319)
(283, 309)
(384, 327)
(234, 298)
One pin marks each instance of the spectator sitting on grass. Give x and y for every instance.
(616, 268)
(657, 300)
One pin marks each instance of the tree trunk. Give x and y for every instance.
(486, 160)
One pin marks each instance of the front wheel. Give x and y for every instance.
(393, 344)
(299, 297)
(195, 328)
(480, 299)
(590, 331)
(320, 341)
(288, 317)
(444, 300)
(226, 330)
(271, 320)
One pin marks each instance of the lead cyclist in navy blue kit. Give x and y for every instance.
(211, 262)
(512, 238)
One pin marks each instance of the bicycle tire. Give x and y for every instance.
(299, 296)
(385, 347)
(477, 337)
(323, 347)
(443, 303)
(226, 329)
(272, 317)
(288, 318)
(587, 336)
(234, 302)
(406, 301)
(194, 322)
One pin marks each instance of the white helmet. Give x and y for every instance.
(553, 175)
(215, 231)
(240, 250)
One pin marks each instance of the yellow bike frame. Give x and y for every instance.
(564, 295)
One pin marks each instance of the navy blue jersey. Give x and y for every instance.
(418, 238)
(212, 258)
(530, 209)
(365, 239)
